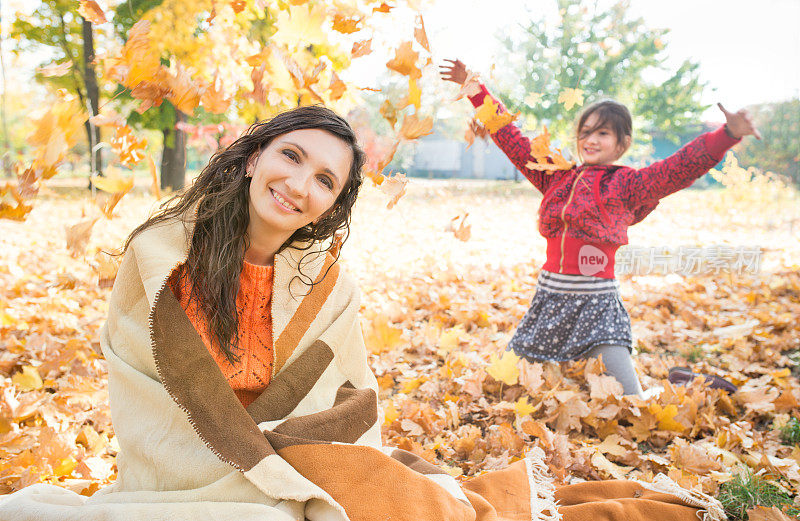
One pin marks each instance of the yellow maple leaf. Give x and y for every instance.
(65, 467)
(405, 61)
(532, 99)
(390, 414)
(571, 98)
(523, 407)
(666, 417)
(382, 336)
(28, 379)
(413, 127)
(450, 338)
(504, 368)
(492, 121)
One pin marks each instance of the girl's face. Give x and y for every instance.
(601, 147)
(295, 180)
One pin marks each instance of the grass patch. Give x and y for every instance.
(790, 433)
(746, 491)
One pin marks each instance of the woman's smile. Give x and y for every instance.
(283, 202)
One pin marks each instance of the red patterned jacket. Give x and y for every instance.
(586, 211)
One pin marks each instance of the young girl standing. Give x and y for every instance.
(584, 215)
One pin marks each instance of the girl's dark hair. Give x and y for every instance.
(217, 204)
(611, 114)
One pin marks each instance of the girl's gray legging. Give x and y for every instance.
(619, 364)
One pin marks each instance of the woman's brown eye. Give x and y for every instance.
(290, 154)
(326, 181)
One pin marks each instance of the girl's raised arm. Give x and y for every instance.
(647, 185)
(510, 139)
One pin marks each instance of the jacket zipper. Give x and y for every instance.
(564, 221)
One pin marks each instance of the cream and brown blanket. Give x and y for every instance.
(309, 448)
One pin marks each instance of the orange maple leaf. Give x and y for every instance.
(346, 25)
(361, 48)
(213, 99)
(92, 12)
(337, 87)
(389, 112)
(184, 92)
(413, 127)
(383, 8)
(404, 61)
(238, 5)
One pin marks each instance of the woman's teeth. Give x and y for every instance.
(283, 202)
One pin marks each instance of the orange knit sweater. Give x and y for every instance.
(251, 375)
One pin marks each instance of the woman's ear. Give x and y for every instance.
(252, 161)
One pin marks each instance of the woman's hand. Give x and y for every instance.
(455, 72)
(739, 123)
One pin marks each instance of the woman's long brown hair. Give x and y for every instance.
(217, 204)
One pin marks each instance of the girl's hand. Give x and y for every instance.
(739, 123)
(455, 72)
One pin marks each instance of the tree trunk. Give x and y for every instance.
(92, 92)
(173, 158)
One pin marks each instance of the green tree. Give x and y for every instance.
(54, 25)
(779, 149)
(607, 54)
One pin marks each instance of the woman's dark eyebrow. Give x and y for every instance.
(305, 154)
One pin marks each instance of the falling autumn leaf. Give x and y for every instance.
(383, 8)
(394, 187)
(571, 98)
(487, 114)
(420, 35)
(461, 230)
(345, 25)
(532, 99)
(337, 87)
(413, 127)
(92, 12)
(404, 61)
(361, 48)
(78, 236)
(55, 70)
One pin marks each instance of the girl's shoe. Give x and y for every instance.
(685, 376)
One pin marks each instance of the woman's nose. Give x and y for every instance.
(297, 184)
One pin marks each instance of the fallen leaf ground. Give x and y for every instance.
(437, 315)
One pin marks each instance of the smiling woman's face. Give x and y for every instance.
(296, 180)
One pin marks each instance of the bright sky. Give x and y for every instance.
(749, 51)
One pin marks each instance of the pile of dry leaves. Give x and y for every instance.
(437, 315)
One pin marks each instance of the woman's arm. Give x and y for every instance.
(514, 144)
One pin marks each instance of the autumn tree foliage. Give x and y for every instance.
(181, 64)
(592, 53)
